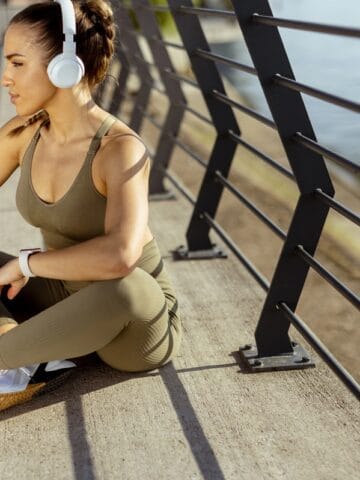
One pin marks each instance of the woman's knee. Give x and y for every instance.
(138, 294)
(151, 338)
(140, 350)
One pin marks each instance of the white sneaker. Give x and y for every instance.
(19, 385)
(17, 379)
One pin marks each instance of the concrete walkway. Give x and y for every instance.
(199, 417)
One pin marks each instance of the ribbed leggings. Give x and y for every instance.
(131, 323)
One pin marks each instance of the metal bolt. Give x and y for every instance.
(256, 363)
(303, 360)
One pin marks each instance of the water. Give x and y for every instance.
(331, 63)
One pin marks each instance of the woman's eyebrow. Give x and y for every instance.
(9, 57)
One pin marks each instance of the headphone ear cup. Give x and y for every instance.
(65, 70)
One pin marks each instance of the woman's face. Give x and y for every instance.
(25, 73)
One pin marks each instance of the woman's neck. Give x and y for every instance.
(71, 115)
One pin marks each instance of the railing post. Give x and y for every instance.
(151, 31)
(133, 54)
(118, 93)
(209, 79)
(274, 350)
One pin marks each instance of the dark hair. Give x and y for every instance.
(95, 38)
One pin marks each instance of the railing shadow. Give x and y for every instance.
(200, 446)
(93, 376)
(81, 454)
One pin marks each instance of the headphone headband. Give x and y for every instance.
(66, 70)
(69, 25)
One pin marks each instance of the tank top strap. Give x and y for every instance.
(105, 126)
(103, 130)
(27, 158)
(133, 135)
(147, 151)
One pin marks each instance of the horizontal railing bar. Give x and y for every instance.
(128, 96)
(157, 8)
(155, 87)
(237, 252)
(133, 32)
(180, 187)
(229, 186)
(180, 77)
(320, 348)
(314, 92)
(223, 98)
(151, 119)
(158, 89)
(145, 62)
(206, 11)
(337, 206)
(196, 114)
(168, 44)
(226, 60)
(306, 26)
(329, 154)
(262, 155)
(187, 149)
(329, 277)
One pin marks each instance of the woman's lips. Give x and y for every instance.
(13, 98)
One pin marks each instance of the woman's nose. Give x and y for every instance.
(6, 80)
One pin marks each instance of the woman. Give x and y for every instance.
(100, 285)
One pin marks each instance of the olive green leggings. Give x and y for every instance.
(131, 323)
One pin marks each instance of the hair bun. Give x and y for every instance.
(100, 14)
(95, 36)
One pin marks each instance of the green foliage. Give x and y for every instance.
(164, 19)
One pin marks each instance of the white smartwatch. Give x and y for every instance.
(24, 255)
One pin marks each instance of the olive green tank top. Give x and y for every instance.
(77, 216)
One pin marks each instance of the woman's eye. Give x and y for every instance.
(16, 64)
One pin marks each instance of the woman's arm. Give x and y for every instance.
(9, 148)
(125, 176)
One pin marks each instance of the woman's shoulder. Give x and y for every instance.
(123, 153)
(119, 130)
(121, 139)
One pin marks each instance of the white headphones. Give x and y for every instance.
(66, 70)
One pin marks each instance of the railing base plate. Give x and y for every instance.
(299, 359)
(182, 253)
(158, 197)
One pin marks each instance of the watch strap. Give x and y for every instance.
(24, 255)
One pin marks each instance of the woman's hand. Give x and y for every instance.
(10, 274)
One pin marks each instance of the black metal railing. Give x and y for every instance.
(274, 349)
